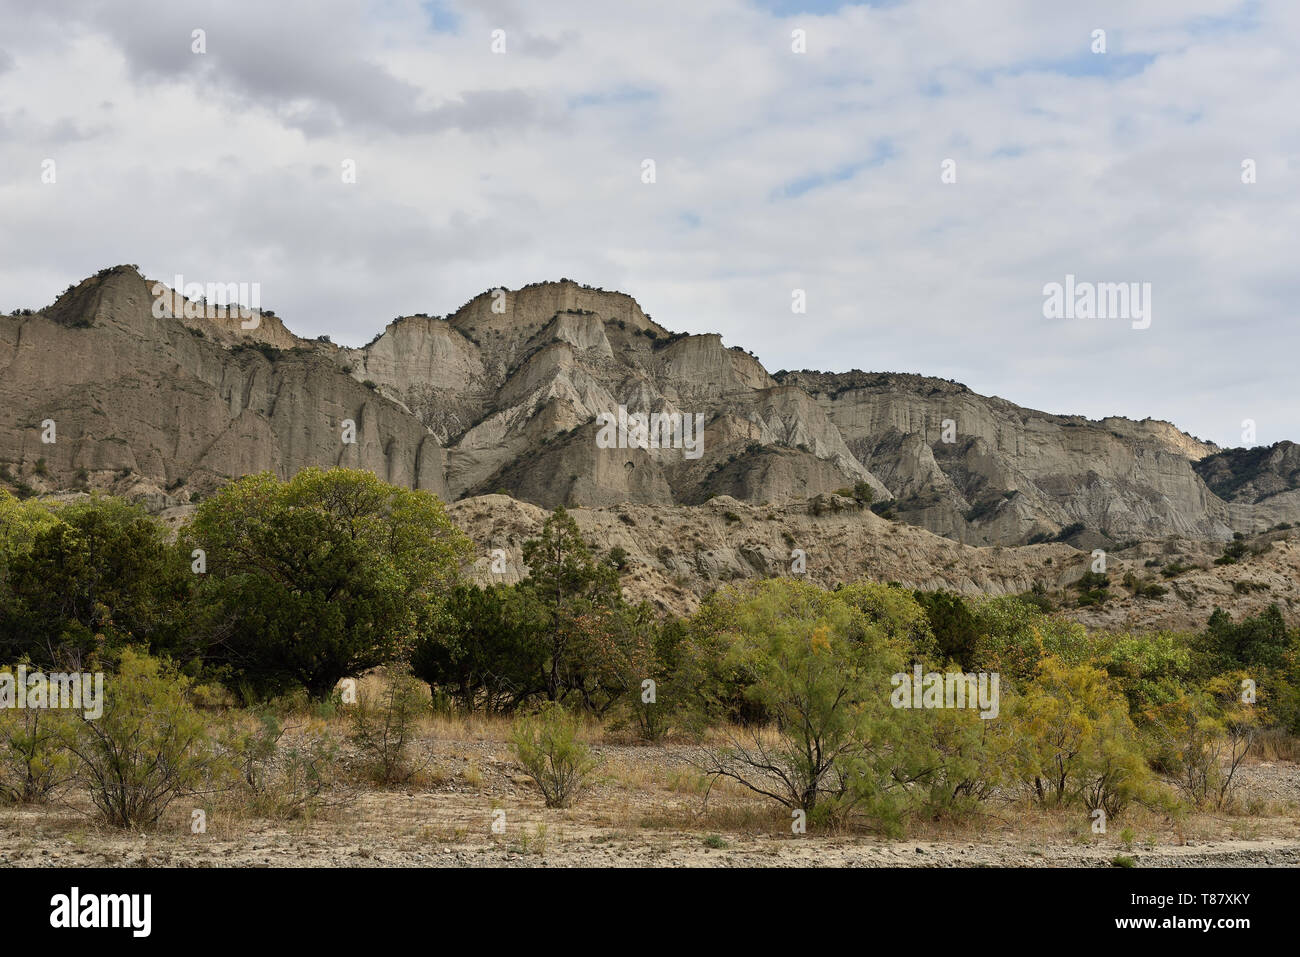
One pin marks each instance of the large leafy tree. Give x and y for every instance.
(88, 579)
(956, 635)
(1258, 641)
(20, 522)
(480, 647)
(320, 577)
(1076, 739)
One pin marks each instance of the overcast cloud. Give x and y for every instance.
(775, 171)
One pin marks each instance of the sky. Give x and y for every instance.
(922, 171)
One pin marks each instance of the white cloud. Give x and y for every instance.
(476, 170)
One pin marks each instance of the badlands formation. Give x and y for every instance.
(497, 408)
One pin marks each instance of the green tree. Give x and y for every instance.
(956, 636)
(321, 577)
(1258, 641)
(895, 610)
(149, 747)
(100, 574)
(1150, 670)
(574, 592)
(1015, 636)
(1077, 741)
(481, 647)
(20, 524)
(1204, 736)
(822, 675)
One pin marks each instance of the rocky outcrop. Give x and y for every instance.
(674, 556)
(163, 397)
(1252, 476)
(98, 392)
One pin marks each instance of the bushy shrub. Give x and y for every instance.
(547, 746)
(149, 747)
(951, 760)
(33, 758)
(89, 578)
(383, 726)
(284, 772)
(1204, 736)
(820, 674)
(1077, 742)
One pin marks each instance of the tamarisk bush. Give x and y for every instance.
(547, 746)
(149, 747)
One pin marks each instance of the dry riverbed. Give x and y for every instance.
(648, 808)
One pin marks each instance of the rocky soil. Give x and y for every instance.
(648, 808)
(677, 554)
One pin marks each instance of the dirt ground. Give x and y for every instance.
(647, 807)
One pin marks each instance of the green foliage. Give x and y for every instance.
(900, 615)
(321, 577)
(1094, 588)
(284, 773)
(1150, 669)
(149, 747)
(382, 727)
(1234, 552)
(1204, 736)
(951, 760)
(1069, 531)
(818, 671)
(21, 523)
(1077, 742)
(863, 493)
(1144, 589)
(661, 701)
(1260, 641)
(956, 636)
(33, 758)
(579, 611)
(565, 633)
(1016, 635)
(547, 746)
(481, 647)
(86, 580)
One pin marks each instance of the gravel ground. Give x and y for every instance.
(647, 808)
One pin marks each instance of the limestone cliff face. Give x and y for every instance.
(505, 395)
(160, 407)
(983, 470)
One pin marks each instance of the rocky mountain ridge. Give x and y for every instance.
(503, 395)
